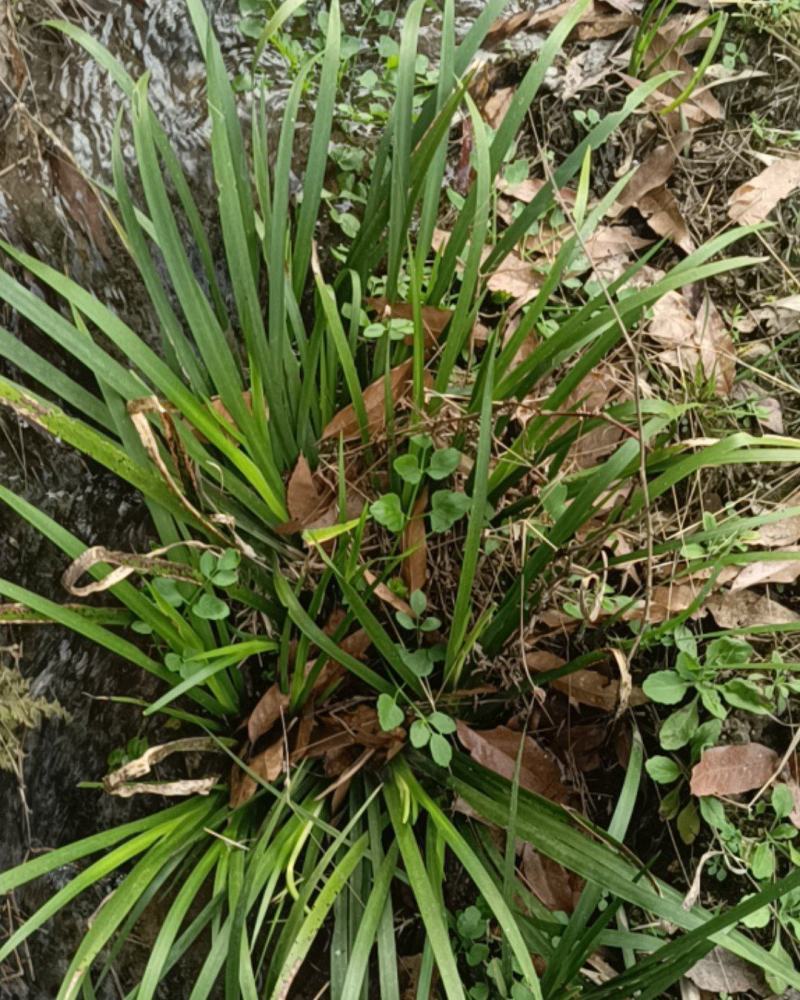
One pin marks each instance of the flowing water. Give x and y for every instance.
(58, 108)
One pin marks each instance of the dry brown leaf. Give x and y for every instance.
(272, 704)
(752, 201)
(415, 564)
(496, 749)
(587, 687)
(374, 396)
(82, 201)
(495, 108)
(742, 608)
(599, 388)
(671, 60)
(768, 571)
(304, 501)
(525, 191)
(694, 339)
(554, 886)
(516, 277)
(663, 216)
(434, 319)
(722, 972)
(780, 534)
(733, 769)
(653, 173)
(268, 765)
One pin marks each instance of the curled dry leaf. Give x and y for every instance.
(768, 571)
(752, 201)
(496, 749)
(415, 564)
(586, 687)
(345, 422)
(554, 886)
(172, 789)
(272, 704)
(306, 502)
(733, 769)
(742, 608)
(152, 756)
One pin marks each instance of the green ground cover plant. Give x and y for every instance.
(305, 423)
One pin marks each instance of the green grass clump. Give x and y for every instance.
(279, 372)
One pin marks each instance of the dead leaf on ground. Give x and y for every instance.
(345, 422)
(305, 501)
(82, 201)
(722, 972)
(496, 749)
(743, 608)
(752, 201)
(671, 60)
(434, 319)
(768, 571)
(780, 534)
(496, 107)
(654, 172)
(526, 190)
(555, 887)
(597, 390)
(272, 704)
(268, 765)
(415, 564)
(694, 338)
(731, 770)
(118, 782)
(587, 687)
(664, 217)
(516, 277)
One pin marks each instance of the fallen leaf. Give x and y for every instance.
(596, 391)
(670, 59)
(663, 216)
(742, 608)
(172, 789)
(556, 888)
(516, 277)
(587, 687)
(496, 749)
(82, 201)
(272, 704)
(268, 765)
(525, 191)
(153, 755)
(694, 338)
(768, 571)
(653, 173)
(304, 501)
(434, 319)
(345, 422)
(720, 971)
(752, 201)
(495, 108)
(415, 565)
(731, 770)
(783, 533)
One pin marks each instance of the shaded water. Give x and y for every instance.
(56, 106)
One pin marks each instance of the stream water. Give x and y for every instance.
(54, 100)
